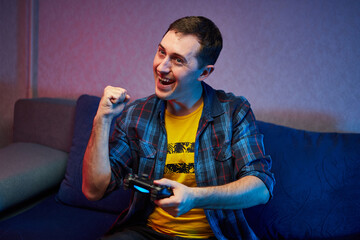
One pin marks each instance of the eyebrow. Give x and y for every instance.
(174, 54)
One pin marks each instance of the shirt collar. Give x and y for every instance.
(212, 107)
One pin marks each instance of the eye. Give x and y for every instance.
(161, 52)
(178, 61)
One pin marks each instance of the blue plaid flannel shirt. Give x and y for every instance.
(228, 146)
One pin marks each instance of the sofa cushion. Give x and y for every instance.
(28, 169)
(52, 220)
(31, 122)
(318, 189)
(70, 190)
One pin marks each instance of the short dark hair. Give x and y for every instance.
(208, 35)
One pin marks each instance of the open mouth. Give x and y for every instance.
(166, 81)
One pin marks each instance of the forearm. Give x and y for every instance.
(243, 193)
(96, 165)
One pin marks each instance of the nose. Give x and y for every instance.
(165, 65)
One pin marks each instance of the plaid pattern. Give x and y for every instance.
(228, 146)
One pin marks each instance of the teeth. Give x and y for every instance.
(165, 80)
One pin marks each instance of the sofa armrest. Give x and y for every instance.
(27, 169)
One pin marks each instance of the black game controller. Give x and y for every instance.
(144, 185)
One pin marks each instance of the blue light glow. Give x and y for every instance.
(140, 189)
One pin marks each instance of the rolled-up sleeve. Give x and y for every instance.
(248, 148)
(119, 156)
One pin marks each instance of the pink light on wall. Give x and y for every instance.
(32, 60)
(296, 61)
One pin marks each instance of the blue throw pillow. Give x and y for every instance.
(70, 189)
(317, 189)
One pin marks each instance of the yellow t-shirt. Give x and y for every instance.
(181, 133)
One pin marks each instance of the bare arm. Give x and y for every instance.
(96, 166)
(243, 193)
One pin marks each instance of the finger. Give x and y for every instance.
(167, 202)
(116, 95)
(165, 182)
(119, 96)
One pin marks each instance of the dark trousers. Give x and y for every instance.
(142, 233)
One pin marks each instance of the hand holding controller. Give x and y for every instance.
(144, 185)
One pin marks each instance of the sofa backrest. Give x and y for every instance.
(45, 121)
(317, 190)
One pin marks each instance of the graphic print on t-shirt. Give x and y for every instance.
(180, 147)
(180, 167)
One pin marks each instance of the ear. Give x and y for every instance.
(207, 70)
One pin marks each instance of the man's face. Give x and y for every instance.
(175, 67)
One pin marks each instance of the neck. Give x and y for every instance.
(184, 108)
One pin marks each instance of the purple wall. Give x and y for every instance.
(296, 61)
(13, 61)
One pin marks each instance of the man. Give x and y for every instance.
(200, 142)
